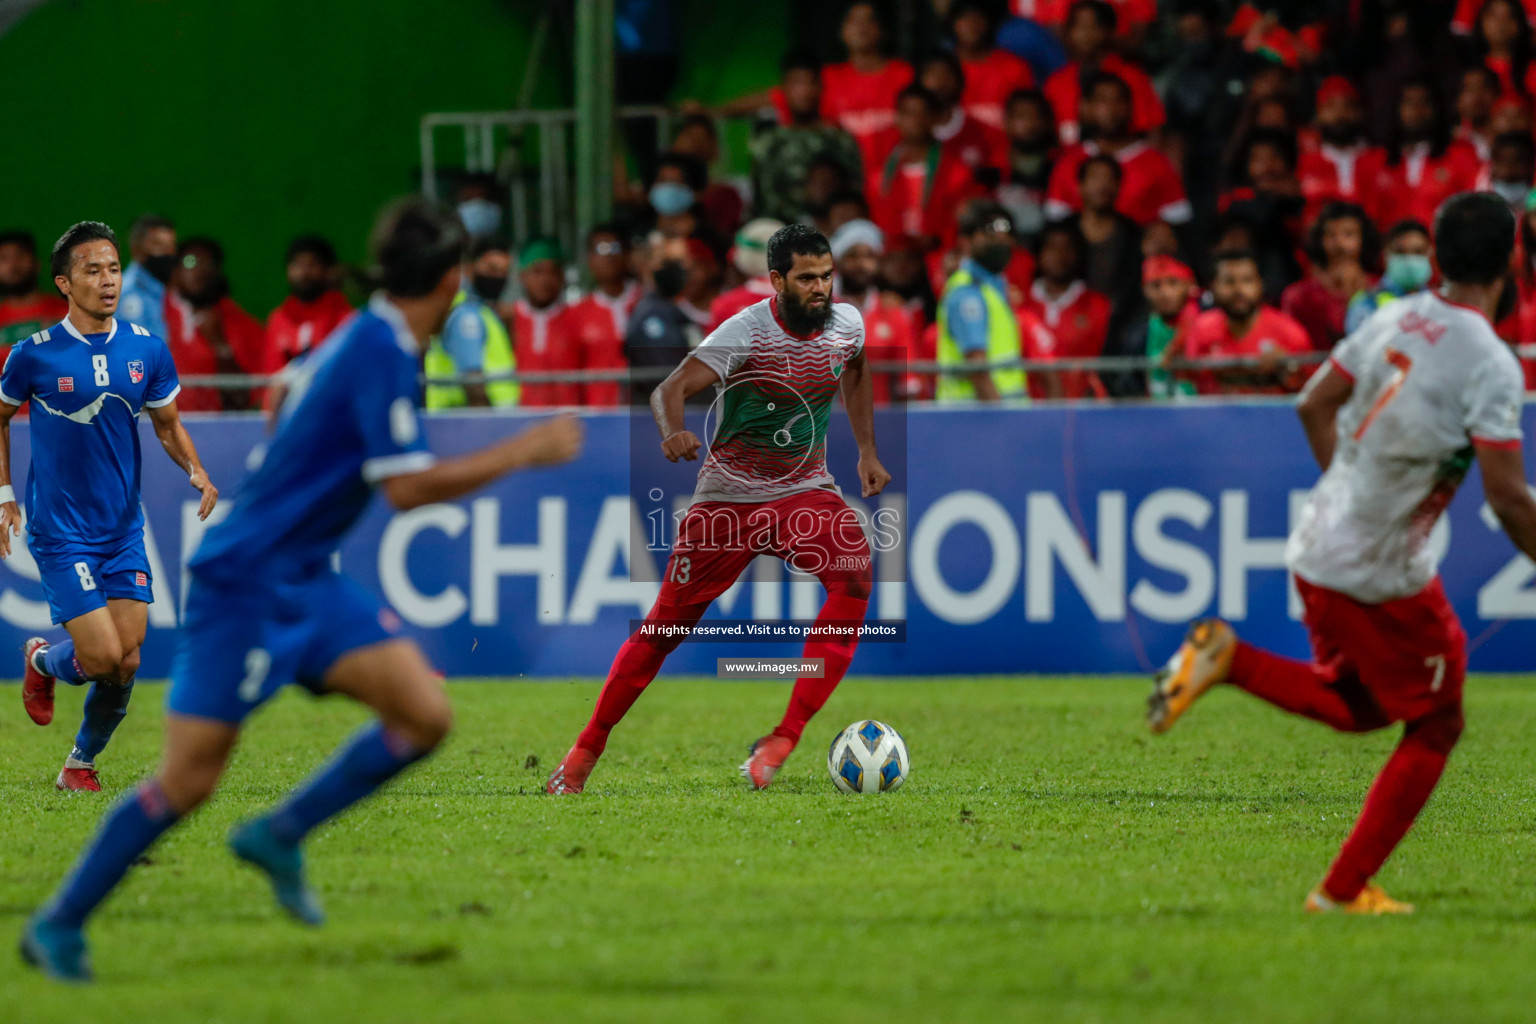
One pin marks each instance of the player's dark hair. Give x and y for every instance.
(800, 60)
(946, 58)
(795, 240)
(79, 234)
(1474, 237)
(414, 244)
(1100, 79)
(317, 246)
(1370, 238)
(1100, 160)
(695, 174)
(1103, 12)
(17, 236)
(926, 95)
(1223, 256)
(1405, 227)
(980, 214)
(1523, 141)
(208, 245)
(147, 222)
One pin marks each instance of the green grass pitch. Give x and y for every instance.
(1047, 860)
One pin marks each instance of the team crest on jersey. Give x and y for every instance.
(135, 370)
(66, 383)
(141, 579)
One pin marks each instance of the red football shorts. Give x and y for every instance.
(1409, 654)
(814, 531)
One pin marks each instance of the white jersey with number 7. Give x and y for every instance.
(1431, 380)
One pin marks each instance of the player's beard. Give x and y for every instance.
(803, 319)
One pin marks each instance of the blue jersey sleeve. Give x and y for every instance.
(16, 378)
(464, 338)
(965, 311)
(385, 406)
(164, 384)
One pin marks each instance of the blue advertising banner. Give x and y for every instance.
(1075, 539)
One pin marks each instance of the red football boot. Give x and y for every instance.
(36, 688)
(78, 777)
(766, 758)
(571, 776)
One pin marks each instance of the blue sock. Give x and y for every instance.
(59, 662)
(369, 759)
(129, 829)
(105, 707)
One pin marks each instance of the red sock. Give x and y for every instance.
(1305, 689)
(633, 668)
(810, 694)
(1395, 799)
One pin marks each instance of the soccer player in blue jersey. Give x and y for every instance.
(266, 609)
(87, 378)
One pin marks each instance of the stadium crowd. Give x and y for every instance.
(1220, 190)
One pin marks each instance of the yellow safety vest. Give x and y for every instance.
(496, 358)
(1002, 341)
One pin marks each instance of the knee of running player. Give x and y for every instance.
(102, 661)
(127, 668)
(1438, 730)
(426, 721)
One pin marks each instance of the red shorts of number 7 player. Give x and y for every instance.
(1395, 419)
(777, 367)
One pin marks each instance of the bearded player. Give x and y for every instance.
(1395, 419)
(763, 489)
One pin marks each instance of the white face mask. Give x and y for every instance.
(1514, 193)
(480, 217)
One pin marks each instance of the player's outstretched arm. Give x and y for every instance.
(178, 445)
(546, 443)
(1318, 407)
(1509, 496)
(667, 403)
(10, 512)
(859, 400)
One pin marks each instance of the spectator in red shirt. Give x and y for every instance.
(980, 147)
(1343, 165)
(1341, 244)
(314, 305)
(1241, 326)
(1424, 167)
(1502, 38)
(1151, 189)
(697, 137)
(860, 94)
(1480, 89)
(888, 326)
(24, 310)
(991, 75)
(602, 316)
(1089, 32)
(210, 333)
(917, 189)
(1075, 317)
(1032, 145)
(543, 329)
(750, 256)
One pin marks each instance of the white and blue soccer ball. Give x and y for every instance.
(868, 757)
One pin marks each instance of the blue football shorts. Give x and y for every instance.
(79, 578)
(241, 644)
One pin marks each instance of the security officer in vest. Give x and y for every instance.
(976, 320)
(475, 342)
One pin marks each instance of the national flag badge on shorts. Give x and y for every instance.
(141, 579)
(66, 383)
(136, 370)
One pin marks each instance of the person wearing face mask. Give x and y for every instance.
(474, 342)
(477, 206)
(675, 190)
(976, 323)
(152, 246)
(315, 306)
(210, 333)
(659, 333)
(1409, 271)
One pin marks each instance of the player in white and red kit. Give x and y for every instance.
(1395, 418)
(764, 488)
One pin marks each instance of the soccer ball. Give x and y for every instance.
(868, 757)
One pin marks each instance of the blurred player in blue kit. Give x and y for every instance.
(266, 608)
(87, 378)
